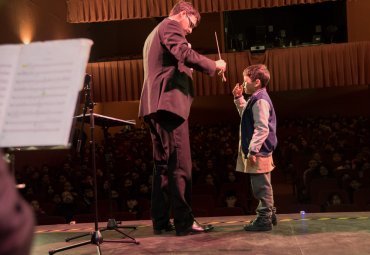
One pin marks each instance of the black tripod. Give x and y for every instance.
(96, 236)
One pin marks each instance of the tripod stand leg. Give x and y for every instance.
(127, 227)
(113, 224)
(78, 236)
(110, 227)
(118, 225)
(96, 238)
(126, 235)
(69, 247)
(122, 241)
(98, 249)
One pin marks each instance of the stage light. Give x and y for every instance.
(26, 24)
(25, 40)
(25, 31)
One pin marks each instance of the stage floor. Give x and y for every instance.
(312, 234)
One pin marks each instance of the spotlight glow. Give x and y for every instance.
(26, 23)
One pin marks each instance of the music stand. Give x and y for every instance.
(96, 236)
(105, 123)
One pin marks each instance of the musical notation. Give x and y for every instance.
(39, 101)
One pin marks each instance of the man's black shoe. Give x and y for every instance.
(196, 228)
(259, 224)
(168, 228)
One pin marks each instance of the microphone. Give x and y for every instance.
(87, 81)
(87, 103)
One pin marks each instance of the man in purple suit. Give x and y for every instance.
(16, 218)
(165, 105)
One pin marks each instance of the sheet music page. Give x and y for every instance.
(8, 60)
(49, 76)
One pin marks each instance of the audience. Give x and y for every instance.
(309, 149)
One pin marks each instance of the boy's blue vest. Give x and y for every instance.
(247, 126)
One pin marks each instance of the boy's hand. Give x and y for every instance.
(238, 90)
(252, 159)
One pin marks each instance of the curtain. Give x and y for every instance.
(81, 11)
(329, 65)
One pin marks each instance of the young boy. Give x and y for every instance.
(257, 142)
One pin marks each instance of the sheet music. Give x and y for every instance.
(8, 61)
(43, 97)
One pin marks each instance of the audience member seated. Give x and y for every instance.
(36, 208)
(333, 199)
(86, 202)
(144, 192)
(68, 206)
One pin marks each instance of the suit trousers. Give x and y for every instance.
(172, 180)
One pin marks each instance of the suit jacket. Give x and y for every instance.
(16, 218)
(168, 91)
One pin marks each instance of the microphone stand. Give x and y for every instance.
(87, 105)
(96, 236)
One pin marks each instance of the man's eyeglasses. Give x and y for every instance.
(191, 24)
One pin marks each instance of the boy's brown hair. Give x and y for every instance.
(258, 72)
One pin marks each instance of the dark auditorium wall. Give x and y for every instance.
(36, 20)
(46, 20)
(127, 44)
(358, 20)
(346, 101)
